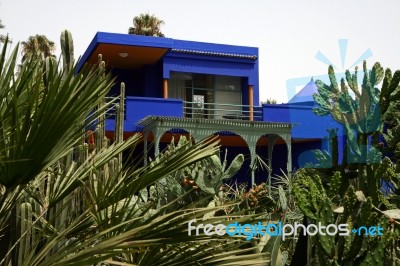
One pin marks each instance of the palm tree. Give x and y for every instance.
(270, 101)
(38, 45)
(146, 24)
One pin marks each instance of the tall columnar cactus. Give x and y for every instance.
(67, 50)
(119, 121)
(40, 209)
(49, 70)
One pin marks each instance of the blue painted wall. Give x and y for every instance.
(309, 126)
(153, 81)
(138, 108)
(145, 82)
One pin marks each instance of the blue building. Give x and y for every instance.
(176, 87)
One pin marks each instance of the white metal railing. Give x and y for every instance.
(112, 101)
(221, 111)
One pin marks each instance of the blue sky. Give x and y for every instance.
(289, 33)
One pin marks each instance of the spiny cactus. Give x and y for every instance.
(363, 116)
(211, 173)
(375, 255)
(67, 50)
(207, 174)
(49, 70)
(319, 204)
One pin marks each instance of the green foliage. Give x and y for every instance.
(26, 118)
(209, 174)
(363, 117)
(38, 46)
(219, 172)
(320, 205)
(269, 101)
(2, 37)
(368, 109)
(146, 24)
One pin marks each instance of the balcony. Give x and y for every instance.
(137, 108)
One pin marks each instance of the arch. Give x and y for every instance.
(148, 136)
(173, 134)
(235, 144)
(269, 141)
(159, 136)
(166, 136)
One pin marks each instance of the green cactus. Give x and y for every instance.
(362, 116)
(375, 255)
(207, 174)
(318, 204)
(67, 50)
(36, 214)
(211, 181)
(49, 69)
(199, 181)
(335, 186)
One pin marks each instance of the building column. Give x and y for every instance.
(157, 139)
(253, 165)
(251, 141)
(251, 102)
(271, 142)
(145, 136)
(288, 141)
(165, 88)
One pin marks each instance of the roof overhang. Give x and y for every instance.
(126, 51)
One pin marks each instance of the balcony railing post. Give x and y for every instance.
(251, 103)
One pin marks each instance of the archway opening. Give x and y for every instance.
(232, 145)
(172, 135)
(272, 158)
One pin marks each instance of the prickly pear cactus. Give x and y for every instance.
(320, 206)
(210, 179)
(202, 179)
